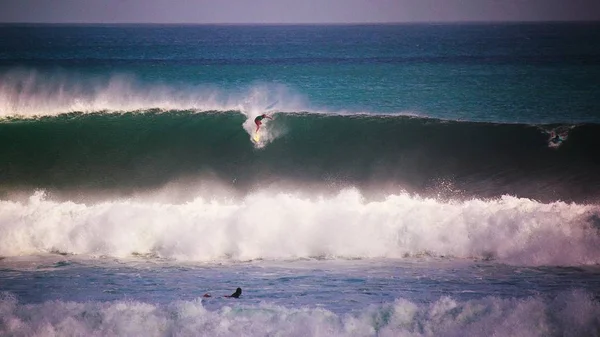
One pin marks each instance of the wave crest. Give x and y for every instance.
(29, 93)
(285, 226)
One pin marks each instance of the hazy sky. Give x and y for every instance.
(295, 11)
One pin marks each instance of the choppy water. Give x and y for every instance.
(361, 297)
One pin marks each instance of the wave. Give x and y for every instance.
(282, 226)
(136, 151)
(568, 314)
(32, 93)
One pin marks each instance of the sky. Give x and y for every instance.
(295, 11)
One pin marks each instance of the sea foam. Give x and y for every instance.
(569, 314)
(265, 225)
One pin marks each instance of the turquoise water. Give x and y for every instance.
(532, 73)
(415, 180)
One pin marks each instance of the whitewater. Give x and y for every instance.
(283, 226)
(415, 180)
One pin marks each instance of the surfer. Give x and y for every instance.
(258, 120)
(236, 294)
(557, 138)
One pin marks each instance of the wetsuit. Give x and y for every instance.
(236, 294)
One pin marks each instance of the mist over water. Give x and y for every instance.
(32, 93)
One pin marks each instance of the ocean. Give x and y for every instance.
(414, 180)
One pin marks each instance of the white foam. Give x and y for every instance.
(30, 93)
(266, 225)
(569, 314)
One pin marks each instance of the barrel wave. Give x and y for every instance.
(378, 154)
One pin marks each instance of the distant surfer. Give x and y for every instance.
(556, 138)
(236, 294)
(258, 120)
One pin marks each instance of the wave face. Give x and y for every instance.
(281, 226)
(132, 151)
(570, 314)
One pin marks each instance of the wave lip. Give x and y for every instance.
(569, 314)
(31, 93)
(279, 226)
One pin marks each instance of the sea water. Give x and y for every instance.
(415, 180)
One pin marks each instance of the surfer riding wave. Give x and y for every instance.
(258, 120)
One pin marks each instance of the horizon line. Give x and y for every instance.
(298, 23)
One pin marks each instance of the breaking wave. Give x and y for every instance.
(133, 151)
(283, 226)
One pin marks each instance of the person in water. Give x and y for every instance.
(236, 294)
(557, 138)
(258, 120)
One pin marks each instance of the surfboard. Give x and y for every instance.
(256, 137)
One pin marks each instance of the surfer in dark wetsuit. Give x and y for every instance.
(556, 138)
(258, 120)
(236, 294)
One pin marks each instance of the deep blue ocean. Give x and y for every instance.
(414, 180)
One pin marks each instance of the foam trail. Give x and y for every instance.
(30, 93)
(569, 314)
(286, 226)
